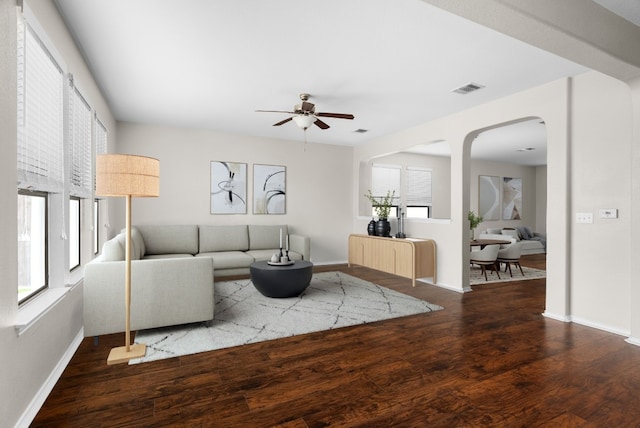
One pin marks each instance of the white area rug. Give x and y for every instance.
(242, 315)
(476, 277)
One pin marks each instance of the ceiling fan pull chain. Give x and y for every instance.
(305, 140)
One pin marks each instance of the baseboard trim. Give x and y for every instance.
(447, 287)
(563, 318)
(38, 400)
(602, 327)
(633, 341)
(591, 324)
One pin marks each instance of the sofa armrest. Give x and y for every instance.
(163, 292)
(301, 244)
(540, 235)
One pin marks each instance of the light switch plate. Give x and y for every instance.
(609, 213)
(584, 217)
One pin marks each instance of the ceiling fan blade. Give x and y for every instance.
(307, 106)
(274, 111)
(320, 124)
(336, 115)
(282, 122)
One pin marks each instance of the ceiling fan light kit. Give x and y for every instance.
(303, 121)
(304, 115)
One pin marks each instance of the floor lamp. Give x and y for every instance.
(127, 176)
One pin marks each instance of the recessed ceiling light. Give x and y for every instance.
(526, 149)
(361, 131)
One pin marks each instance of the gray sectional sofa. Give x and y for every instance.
(172, 272)
(532, 243)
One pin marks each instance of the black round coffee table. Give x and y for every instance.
(281, 281)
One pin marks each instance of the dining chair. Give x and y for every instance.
(486, 257)
(511, 255)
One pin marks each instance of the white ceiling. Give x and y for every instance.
(523, 143)
(211, 63)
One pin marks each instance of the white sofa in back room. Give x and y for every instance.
(172, 272)
(533, 243)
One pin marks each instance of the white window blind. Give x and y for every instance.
(418, 186)
(385, 178)
(40, 115)
(100, 137)
(80, 119)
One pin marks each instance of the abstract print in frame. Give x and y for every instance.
(511, 198)
(269, 189)
(489, 197)
(228, 187)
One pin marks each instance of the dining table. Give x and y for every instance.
(484, 242)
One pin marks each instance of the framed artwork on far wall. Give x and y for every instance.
(489, 197)
(269, 189)
(228, 187)
(511, 198)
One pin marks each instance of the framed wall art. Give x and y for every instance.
(511, 198)
(228, 187)
(269, 189)
(489, 197)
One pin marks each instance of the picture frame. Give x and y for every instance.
(511, 198)
(228, 187)
(489, 192)
(269, 189)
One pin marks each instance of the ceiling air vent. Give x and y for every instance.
(469, 87)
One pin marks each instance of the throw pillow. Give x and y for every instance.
(525, 232)
(113, 250)
(529, 232)
(512, 233)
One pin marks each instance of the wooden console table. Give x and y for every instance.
(409, 258)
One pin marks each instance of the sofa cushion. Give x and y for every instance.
(172, 239)
(264, 237)
(167, 256)
(512, 233)
(138, 242)
(223, 238)
(494, 231)
(228, 259)
(113, 250)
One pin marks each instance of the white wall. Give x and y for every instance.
(440, 177)
(31, 362)
(549, 102)
(319, 191)
(601, 178)
(541, 199)
(530, 192)
(589, 132)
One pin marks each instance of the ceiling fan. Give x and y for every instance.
(304, 115)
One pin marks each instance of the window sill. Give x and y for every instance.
(31, 312)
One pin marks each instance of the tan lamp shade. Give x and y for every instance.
(127, 175)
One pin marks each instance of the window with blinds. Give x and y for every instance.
(418, 196)
(385, 178)
(80, 159)
(40, 115)
(100, 137)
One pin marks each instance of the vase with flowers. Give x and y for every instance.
(474, 221)
(382, 207)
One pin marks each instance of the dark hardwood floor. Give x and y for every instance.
(488, 359)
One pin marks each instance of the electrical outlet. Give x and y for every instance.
(584, 217)
(609, 213)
